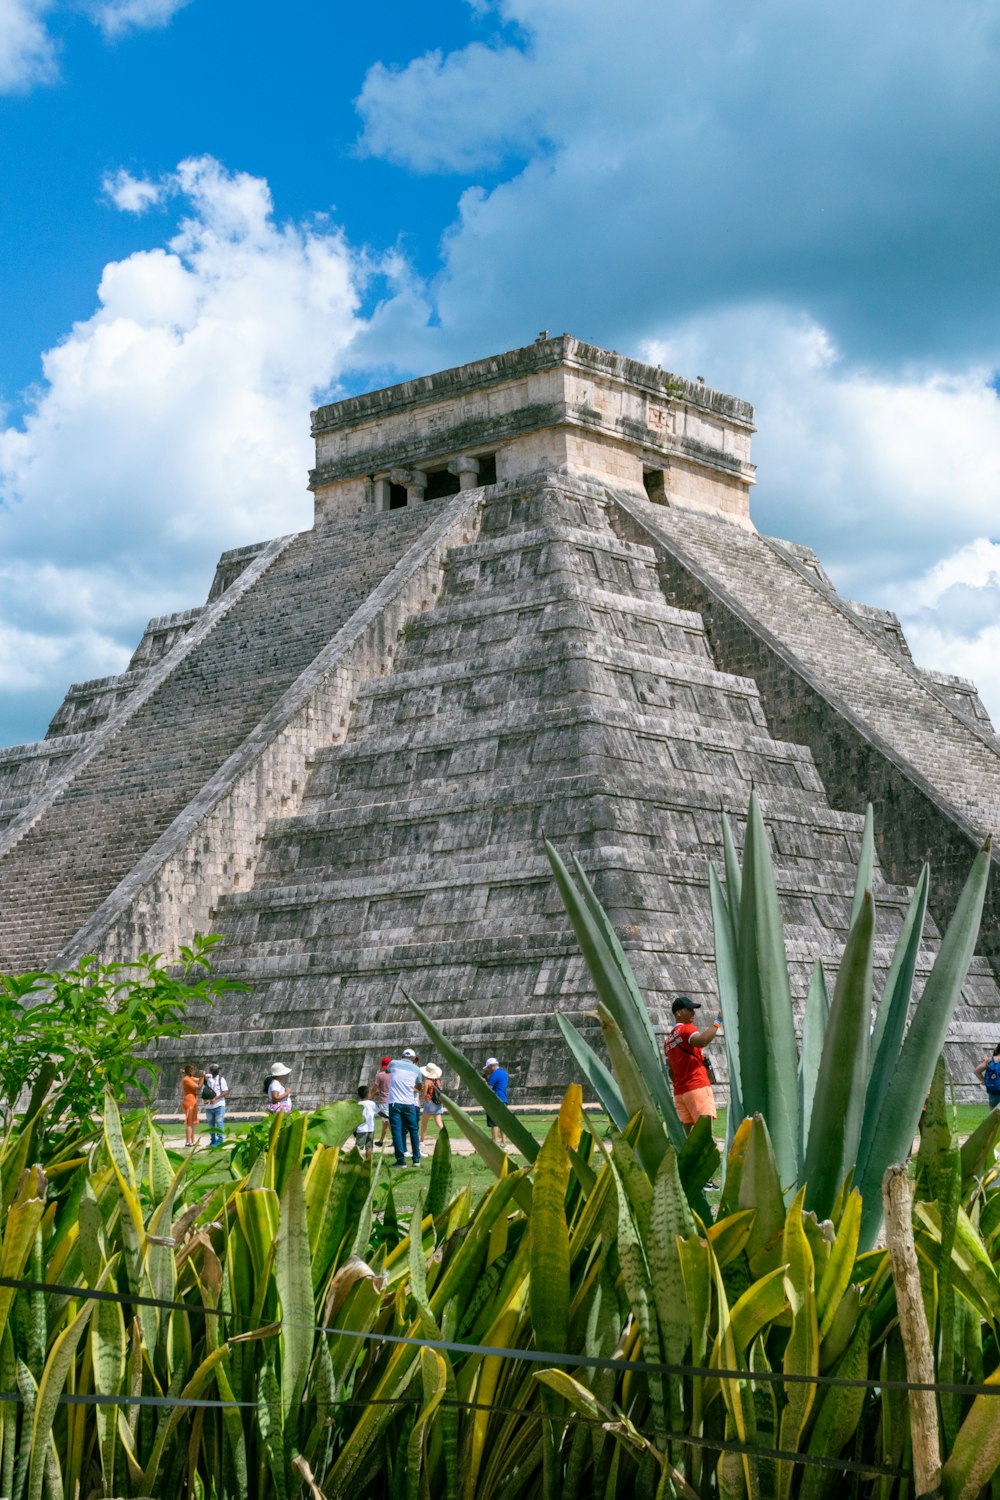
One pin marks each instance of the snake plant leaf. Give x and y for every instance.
(736, 1394)
(50, 1388)
(755, 1310)
(736, 1151)
(699, 1158)
(670, 1219)
(727, 981)
(548, 1238)
(434, 1381)
(769, 1065)
(441, 1170)
(970, 1266)
(802, 1350)
(600, 1078)
(836, 1274)
(760, 1189)
(20, 1226)
(977, 1150)
(838, 1415)
(477, 1086)
(975, 1455)
(609, 968)
(909, 1081)
(728, 1237)
(293, 1279)
(492, 1154)
(894, 1007)
(866, 864)
(813, 1035)
(835, 1124)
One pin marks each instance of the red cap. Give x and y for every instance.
(385, 1062)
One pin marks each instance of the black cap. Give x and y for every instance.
(684, 1002)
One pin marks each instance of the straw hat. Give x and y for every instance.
(431, 1071)
(278, 1070)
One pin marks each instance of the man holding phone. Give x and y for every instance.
(683, 1045)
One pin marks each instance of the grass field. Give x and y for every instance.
(467, 1167)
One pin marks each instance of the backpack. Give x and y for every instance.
(991, 1078)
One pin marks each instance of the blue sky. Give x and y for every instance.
(216, 215)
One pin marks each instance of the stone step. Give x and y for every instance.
(895, 699)
(515, 741)
(581, 669)
(675, 814)
(480, 625)
(129, 792)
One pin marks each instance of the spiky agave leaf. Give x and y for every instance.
(866, 864)
(769, 1064)
(890, 1023)
(612, 975)
(734, 875)
(726, 978)
(909, 1081)
(835, 1125)
(813, 1036)
(600, 1078)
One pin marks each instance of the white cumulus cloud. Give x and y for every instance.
(115, 17)
(133, 195)
(27, 52)
(172, 423)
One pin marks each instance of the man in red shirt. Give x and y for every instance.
(692, 1086)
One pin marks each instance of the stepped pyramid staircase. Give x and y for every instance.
(63, 858)
(552, 689)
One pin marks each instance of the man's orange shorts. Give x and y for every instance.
(691, 1106)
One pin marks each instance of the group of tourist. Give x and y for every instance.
(211, 1089)
(405, 1098)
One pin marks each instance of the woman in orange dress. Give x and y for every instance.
(190, 1093)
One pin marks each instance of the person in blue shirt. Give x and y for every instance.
(405, 1084)
(497, 1079)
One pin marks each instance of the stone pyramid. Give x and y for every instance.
(533, 602)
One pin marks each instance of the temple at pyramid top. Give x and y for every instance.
(559, 406)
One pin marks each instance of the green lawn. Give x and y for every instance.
(211, 1167)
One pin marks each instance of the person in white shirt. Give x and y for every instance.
(364, 1135)
(214, 1091)
(279, 1095)
(405, 1086)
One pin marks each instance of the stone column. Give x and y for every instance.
(381, 483)
(415, 482)
(467, 469)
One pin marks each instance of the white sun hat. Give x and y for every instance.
(278, 1070)
(431, 1071)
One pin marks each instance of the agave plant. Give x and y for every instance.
(844, 1101)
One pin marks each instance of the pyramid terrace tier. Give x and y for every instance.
(675, 813)
(496, 897)
(517, 743)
